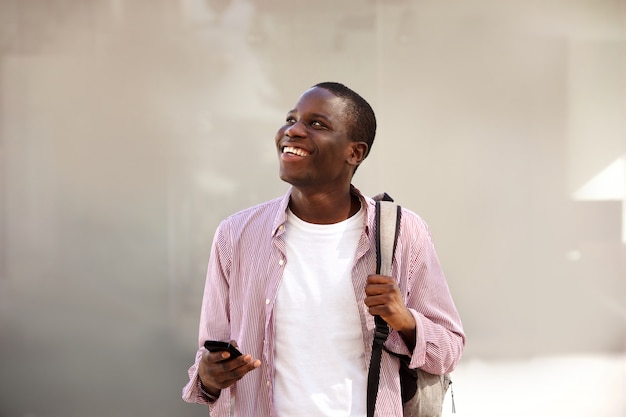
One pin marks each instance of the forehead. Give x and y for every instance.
(321, 101)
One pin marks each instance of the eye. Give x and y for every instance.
(317, 123)
(290, 120)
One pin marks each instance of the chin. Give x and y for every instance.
(286, 178)
(294, 181)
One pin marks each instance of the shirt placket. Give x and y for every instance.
(277, 263)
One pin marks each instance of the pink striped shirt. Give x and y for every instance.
(244, 273)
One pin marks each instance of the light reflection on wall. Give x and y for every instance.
(608, 185)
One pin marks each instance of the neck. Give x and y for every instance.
(324, 207)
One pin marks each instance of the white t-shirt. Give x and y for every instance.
(320, 366)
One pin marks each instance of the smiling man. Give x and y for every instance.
(291, 282)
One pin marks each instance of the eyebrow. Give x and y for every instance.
(320, 116)
(313, 115)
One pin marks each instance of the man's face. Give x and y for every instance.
(314, 149)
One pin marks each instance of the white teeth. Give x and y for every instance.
(295, 151)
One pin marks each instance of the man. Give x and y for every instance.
(291, 283)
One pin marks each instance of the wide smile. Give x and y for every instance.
(290, 150)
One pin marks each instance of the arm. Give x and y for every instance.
(215, 371)
(433, 334)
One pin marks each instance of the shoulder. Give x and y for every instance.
(412, 217)
(259, 216)
(408, 217)
(267, 207)
(413, 226)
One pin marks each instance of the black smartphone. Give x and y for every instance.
(215, 346)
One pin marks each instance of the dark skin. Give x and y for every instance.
(318, 159)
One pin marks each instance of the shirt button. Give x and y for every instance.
(281, 262)
(267, 301)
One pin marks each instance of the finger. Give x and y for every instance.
(242, 364)
(236, 374)
(380, 289)
(216, 357)
(377, 289)
(212, 357)
(391, 313)
(379, 279)
(378, 300)
(378, 311)
(380, 283)
(232, 371)
(222, 374)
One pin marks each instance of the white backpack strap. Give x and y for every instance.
(387, 214)
(387, 229)
(431, 389)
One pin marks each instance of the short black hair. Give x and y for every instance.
(363, 126)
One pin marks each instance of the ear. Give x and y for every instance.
(358, 152)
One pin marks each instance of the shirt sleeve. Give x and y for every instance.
(191, 391)
(439, 333)
(214, 320)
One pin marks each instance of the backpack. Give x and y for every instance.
(422, 393)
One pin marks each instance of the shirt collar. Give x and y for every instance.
(281, 216)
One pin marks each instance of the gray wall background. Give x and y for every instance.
(129, 129)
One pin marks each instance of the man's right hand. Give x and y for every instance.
(218, 371)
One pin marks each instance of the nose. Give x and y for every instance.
(295, 130)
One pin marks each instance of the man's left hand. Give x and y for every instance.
(383, 298)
